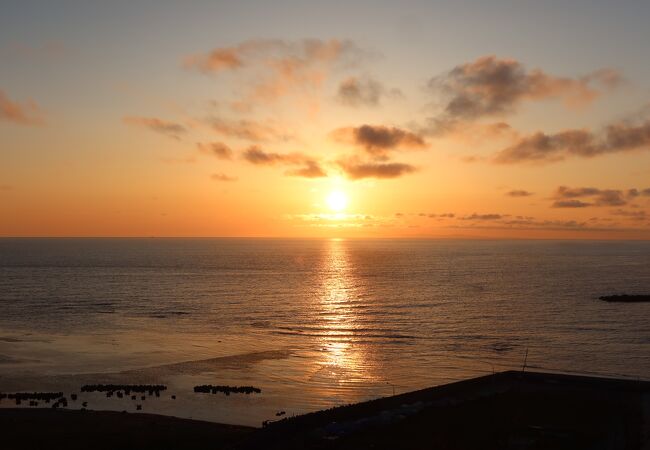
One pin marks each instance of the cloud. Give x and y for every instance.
(170, 129)
(378, 140)
(311, 169)
(471, 134)
(570, 204)
(274, 53)
(218, 149)
(340, 220)
(622, 136)
(530, 223)
(544, 148)
(483, 217)
(222, 177)
(249, 130)
(548, 148)
(277, 68)
(308, 167)
(492, 86)
(359, 170)
(506, 221)
(566, 197)
(509, 222)
(519, 193)
(355, 92)
(217, 60)
(633, 215)
(255, 155)
(633, 193)
(27, 113)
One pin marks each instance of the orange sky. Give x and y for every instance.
(124, 130)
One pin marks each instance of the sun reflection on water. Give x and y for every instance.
(345, 355)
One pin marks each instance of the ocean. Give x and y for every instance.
(313, 323)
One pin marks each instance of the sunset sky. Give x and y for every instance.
(509, 119)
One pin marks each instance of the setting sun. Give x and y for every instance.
(337, 201)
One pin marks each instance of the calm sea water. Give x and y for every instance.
(314, 323)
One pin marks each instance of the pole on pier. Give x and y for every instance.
(523, 368)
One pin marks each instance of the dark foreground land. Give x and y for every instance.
(509, 410)
(102, 430)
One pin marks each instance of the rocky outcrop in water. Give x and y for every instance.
(151, 389)
(19, 397)
(210, 389)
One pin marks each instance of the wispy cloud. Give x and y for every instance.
(518, 193)
(306, 167)
(439, 216)
(217, 60)
(490, 216)
(570, 204)
(638, 215)
(222, 177)
(255, 155)
(516, 222)
(566, 197)
(249, 130)
(340, 220)
(364, 91)
(633, 193)
(278, 68)
(27, 113)
(217, 149)
(310, 169)
(359, 170)
(170, 129)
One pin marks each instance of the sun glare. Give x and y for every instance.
(337, 201)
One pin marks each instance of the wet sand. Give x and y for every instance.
(178, 399)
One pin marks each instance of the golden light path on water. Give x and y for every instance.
(346, 359)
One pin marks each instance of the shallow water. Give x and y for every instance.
(314, 323)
